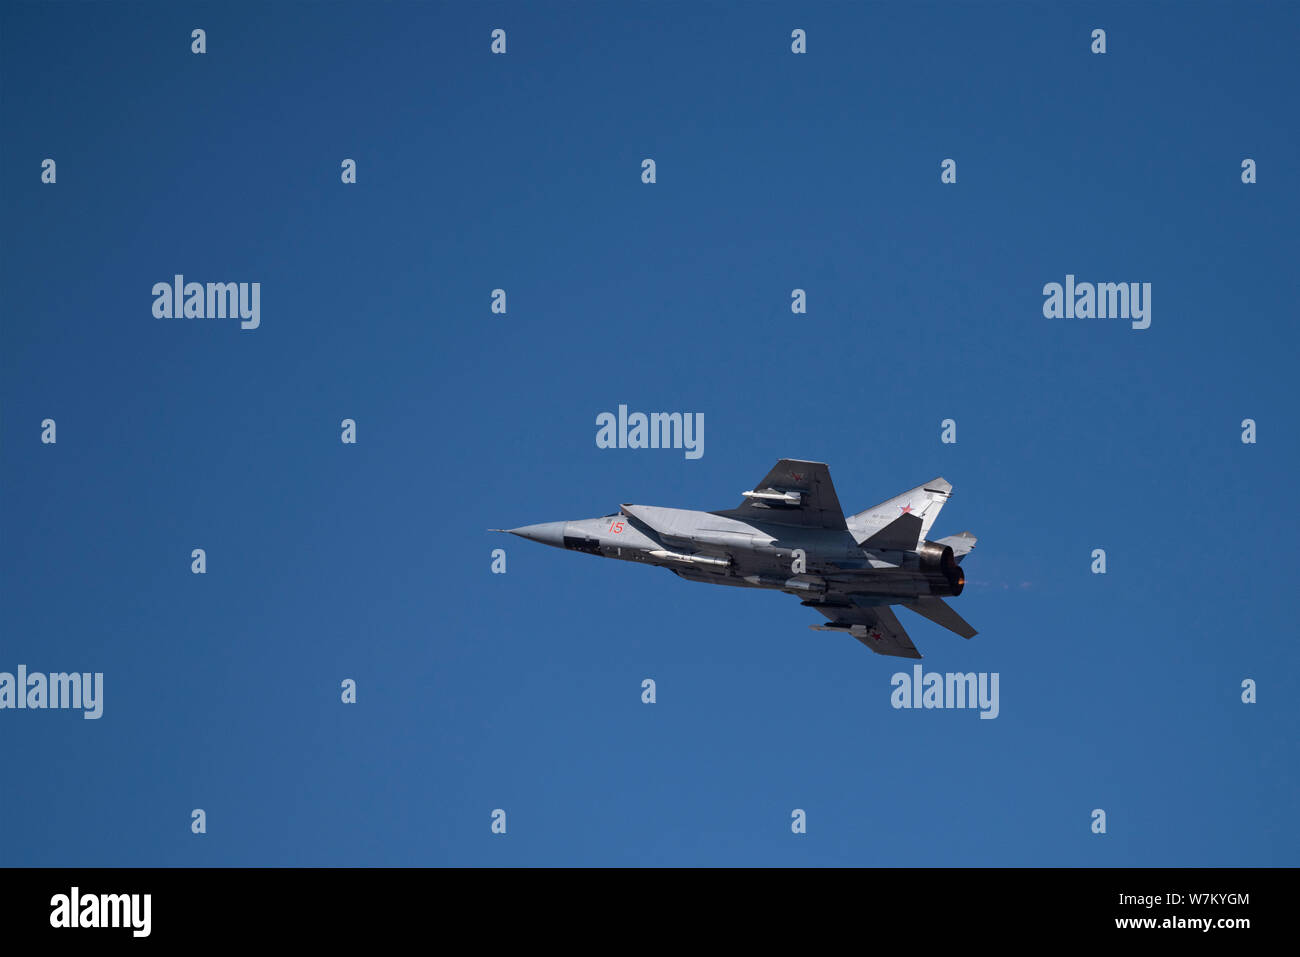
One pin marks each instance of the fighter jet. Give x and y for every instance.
(790, 534)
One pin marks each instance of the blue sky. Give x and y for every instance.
(522, 691)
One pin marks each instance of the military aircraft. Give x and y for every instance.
(790, 534)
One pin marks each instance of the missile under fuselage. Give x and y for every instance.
(666, 555)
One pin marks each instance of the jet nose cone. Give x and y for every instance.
(548, 533)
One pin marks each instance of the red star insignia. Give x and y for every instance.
(796, 476)
(905, 509)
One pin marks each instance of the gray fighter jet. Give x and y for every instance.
(791, 535)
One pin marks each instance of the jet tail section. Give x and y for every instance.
(921, 504)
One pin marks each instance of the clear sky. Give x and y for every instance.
(775, 171)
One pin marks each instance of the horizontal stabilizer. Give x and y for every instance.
(961, 544)
(941, 613)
